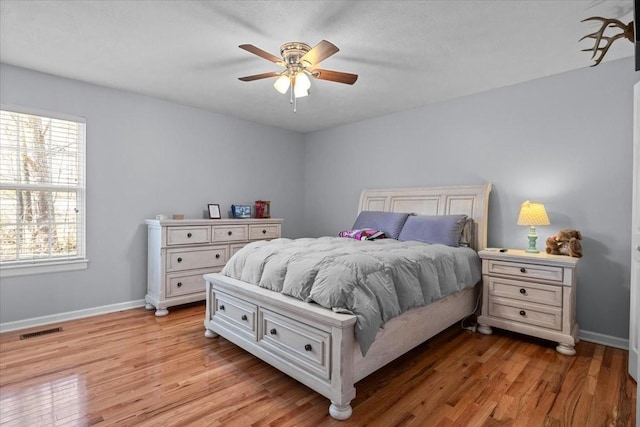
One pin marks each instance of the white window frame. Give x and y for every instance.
(52, 265)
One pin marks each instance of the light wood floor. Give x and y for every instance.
(132, 368)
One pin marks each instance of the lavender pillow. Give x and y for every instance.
(442, 229)
(389, 222)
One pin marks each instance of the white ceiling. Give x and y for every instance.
(407, 53)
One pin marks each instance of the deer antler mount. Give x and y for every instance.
(602, 42)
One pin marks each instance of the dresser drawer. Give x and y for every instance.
(237, 313)
(524, 270)
(184, 284)
(192, 258)
(531, 314)
(525, 291)
(188, 235)
(235, 248)
(229, 233)
(264, 232)
(296, 343)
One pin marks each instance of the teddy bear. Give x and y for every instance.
(566, 242)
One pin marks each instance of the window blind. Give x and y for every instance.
(42, 188)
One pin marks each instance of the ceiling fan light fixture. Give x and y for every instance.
(302, 85)
(282, 84)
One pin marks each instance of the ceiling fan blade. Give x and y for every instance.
(261, 53)
(259, 76)
(319, 52)
(334, 76)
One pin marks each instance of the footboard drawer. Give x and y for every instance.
(239, 314)
(296, 342)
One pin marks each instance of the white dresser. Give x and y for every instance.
(533, 294)
(180, 252)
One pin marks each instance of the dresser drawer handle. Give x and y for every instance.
(264, 231)
(189, 235)
(222, 307)
(179, 259)
(229, 233)
(273, 331)
(523, 291)
(217, 256)
(244, 317)
(307, 347)
(523, 270)
(179, 284)
(523, 313)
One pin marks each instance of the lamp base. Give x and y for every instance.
(532, 241)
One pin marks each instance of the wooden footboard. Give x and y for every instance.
(313, 344)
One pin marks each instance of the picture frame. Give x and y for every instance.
(241, 211)
(214, 211)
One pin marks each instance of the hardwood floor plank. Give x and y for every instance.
(134, 369)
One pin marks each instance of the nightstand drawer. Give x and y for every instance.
(525, 291)
(187, 259)
(188, 235)
(531, 314)
(524, 270)
(229, 233)
(264, 232)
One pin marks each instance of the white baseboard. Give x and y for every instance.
(70, 315)
(607, 340)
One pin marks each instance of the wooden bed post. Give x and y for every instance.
(342, 372)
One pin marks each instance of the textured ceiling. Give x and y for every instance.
(407, 53)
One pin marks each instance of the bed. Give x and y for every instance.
(317, 346)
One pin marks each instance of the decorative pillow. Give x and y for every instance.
(443, 229)
(389, 222)
(363, 234)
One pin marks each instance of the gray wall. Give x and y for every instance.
(144, 157)
(565, 140)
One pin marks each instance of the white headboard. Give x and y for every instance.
(470, 200)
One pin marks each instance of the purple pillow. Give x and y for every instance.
(443, 229)
(389, 222)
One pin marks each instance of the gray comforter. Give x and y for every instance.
(374, 280)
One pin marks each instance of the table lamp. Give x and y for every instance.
(532, 214)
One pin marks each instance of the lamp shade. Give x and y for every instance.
(302, 85)
(282, 84)
(532, 213)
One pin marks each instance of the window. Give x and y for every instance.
(42, 193)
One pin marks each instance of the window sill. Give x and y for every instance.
(42, 268)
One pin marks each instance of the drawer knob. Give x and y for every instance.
(264, 231)
(229, 233)
(244, 317)
(523, 270)
(273, 331)
(179, 259)
(523, 313)
(217, 256)
(179, 284)
(307, 347)
(222, 307)
(189, 235)
(523, 291)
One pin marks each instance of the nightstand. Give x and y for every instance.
(532, 294)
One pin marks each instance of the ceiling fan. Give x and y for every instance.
(300, 61)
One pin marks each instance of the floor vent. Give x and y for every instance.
(38, 333)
